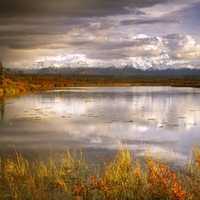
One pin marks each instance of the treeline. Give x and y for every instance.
(66, 80)
(2, 73)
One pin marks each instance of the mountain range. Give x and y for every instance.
(127, 70)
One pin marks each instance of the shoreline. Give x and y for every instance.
(27, 84)
(13, 92)
(124, 177)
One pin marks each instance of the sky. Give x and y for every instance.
(142, 33)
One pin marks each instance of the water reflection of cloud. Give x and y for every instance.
(102, 117)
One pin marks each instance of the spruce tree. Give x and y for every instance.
(2, 73)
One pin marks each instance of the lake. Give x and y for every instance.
(101, 120)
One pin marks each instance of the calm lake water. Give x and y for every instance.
(100, 120)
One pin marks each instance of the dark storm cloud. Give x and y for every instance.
(26, 42)
(25, 21)
(17, 32)
(47, 35)
(141, 21)
(44, 26)
(78, 8)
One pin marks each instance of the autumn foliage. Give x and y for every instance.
(124, 177)
(14, 83)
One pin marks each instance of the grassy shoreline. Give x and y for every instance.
(124, 177)
(14, 85)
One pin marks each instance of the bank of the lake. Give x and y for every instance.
(13, 88)
(125, 177)
(16, 84)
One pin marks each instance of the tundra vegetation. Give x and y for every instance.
(15, 83)
(123, 177)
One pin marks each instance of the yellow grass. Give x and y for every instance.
(125, 177)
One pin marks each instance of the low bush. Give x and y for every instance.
(125, 177)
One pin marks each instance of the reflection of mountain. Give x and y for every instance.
(1, 110)
(151, 142)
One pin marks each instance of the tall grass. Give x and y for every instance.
(124, 177)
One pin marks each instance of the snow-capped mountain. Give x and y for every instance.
(161, 62)
(127, 70)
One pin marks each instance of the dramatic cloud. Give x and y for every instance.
(182, 46)
(75, 8)
(98, 31)
(140, 21)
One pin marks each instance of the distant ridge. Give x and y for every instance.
(127, 70)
